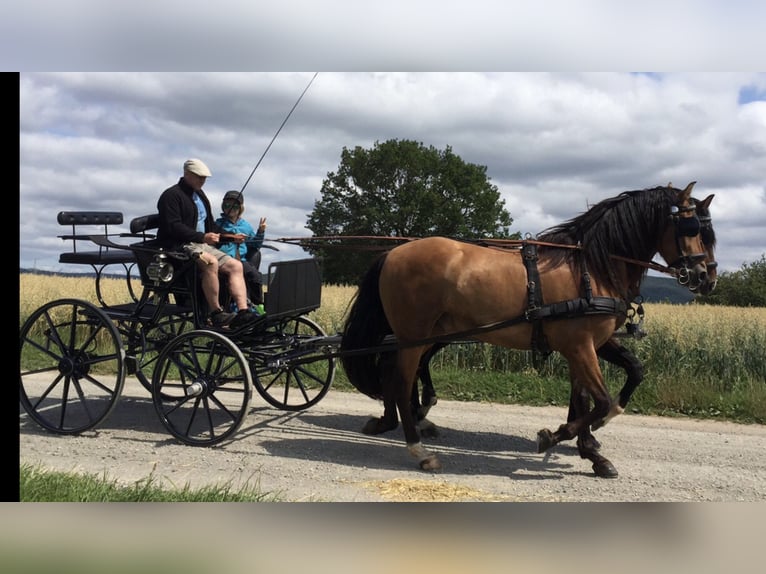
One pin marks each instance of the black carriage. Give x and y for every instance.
(76, 355)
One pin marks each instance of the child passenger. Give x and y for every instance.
(246, 246)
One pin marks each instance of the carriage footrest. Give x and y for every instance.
(131, 310)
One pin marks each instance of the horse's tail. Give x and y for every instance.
(365, 327)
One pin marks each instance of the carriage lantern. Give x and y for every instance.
(160, 270)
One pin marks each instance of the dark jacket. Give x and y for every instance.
(178, 216)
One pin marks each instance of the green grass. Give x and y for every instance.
(39, 485)
(662, 393)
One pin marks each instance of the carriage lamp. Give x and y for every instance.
(160, 269)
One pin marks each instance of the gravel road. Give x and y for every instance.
(488, 453)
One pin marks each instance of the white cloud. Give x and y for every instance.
(552, 143)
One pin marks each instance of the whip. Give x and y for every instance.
(241, 191)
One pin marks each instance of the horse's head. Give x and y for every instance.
(708, 241)
(681, 244)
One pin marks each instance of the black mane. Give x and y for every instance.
(628, 225)
(707, 233)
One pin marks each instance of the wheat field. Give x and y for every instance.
(692, 354)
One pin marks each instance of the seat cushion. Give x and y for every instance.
(98, 257)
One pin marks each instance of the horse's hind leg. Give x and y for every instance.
(390, 420)
(423, 405)
(405, 382)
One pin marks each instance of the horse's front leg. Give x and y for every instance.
(585, 375)
(579, 405)
(617, 354)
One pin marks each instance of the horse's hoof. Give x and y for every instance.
(544, 440)
(428, 429)
(377, 426)
(604, 469)
(430, 463)
(423, 410)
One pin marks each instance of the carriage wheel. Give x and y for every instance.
(72, 366)
(201, 387)
(144, 342)
(294, 386)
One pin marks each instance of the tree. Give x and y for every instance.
(743, 288)
(401, 189)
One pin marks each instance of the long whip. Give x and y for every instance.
(241, 191)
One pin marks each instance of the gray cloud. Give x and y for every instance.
(553, 143)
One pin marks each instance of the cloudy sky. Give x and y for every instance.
(552, 142)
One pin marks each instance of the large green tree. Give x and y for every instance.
(743, 288)
(400, 188)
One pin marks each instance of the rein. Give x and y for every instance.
(500, 244)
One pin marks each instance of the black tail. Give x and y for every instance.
(365, 327)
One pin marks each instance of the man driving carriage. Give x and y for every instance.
(186, 221)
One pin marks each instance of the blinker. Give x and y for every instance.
(688, 226)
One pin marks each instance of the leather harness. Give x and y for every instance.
(537, 310)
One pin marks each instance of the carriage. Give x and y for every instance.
(76, 355)
(567, 291)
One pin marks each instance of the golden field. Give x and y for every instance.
(698, 359)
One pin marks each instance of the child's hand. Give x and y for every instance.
(262, 224)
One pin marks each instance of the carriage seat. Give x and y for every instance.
(140, 225)
(86, 224)
(93, 227)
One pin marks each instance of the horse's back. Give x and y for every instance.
(439, 285)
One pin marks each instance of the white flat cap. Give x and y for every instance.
(197, 167)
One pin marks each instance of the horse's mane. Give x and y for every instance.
(626, 225)
(707, 233)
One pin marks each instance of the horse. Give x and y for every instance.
(707, 234)
(568, 292)
(613, 351)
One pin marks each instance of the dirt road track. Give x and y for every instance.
(488, 452)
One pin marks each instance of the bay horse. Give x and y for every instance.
(613, 351)
(568, 291)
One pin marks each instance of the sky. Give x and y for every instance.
(552, 143)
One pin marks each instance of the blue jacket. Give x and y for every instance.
(253, 241)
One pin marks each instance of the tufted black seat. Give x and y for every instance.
(98, 223)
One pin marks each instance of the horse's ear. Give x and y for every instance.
(687, 193)
(706, 202)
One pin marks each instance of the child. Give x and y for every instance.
(246, 240)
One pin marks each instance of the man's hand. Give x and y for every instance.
(212, 238)
(232, 238)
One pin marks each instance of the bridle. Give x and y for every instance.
(680, 268)
(685, 227)
(706, 234)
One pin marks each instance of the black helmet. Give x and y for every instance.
(234, 195)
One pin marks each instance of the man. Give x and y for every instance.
(186, 221)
